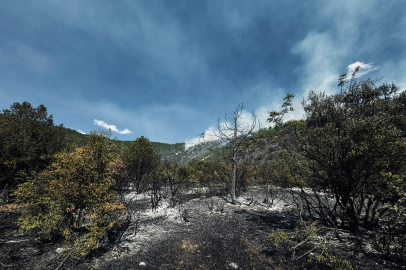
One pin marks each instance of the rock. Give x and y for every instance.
(233, 265)
(143, 264)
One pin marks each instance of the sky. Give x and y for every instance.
(168, 70)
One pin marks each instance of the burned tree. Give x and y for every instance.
(233, 133)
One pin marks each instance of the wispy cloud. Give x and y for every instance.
(81, 132)
(103, 124)
(321, 57)
(364, 69)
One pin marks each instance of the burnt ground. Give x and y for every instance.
(204, 232)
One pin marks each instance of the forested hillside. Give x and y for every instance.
(171, 152)
(72, 137)
(165, 150)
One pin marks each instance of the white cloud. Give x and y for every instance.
(111, 127)
(364, 69)
(81, 132)
(208, 136)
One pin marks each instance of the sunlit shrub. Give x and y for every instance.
(74, 197)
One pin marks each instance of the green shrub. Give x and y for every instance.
(74, 197)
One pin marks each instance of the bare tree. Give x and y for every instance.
(233, 132)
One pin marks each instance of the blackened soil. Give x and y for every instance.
(210, 242)
(19, 251)
(225, 237)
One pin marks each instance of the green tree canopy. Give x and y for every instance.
(139, 159)
(28, 141)
(351, 146)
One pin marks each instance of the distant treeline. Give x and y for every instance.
(72, 137)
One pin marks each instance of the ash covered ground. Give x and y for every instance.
(203, 231)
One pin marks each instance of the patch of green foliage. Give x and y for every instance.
(75, 196)
(139, 159)
(351, 146)
(278, 238)
(72, 137)
(28, 141)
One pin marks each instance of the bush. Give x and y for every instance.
(74, 197)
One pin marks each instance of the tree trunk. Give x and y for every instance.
(233, 182)
(353, 219)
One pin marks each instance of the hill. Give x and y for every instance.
(256, 145)
(166, 151)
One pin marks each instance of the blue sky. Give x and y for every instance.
(168, 70)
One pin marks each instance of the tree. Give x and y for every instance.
(203, 173)
(75, 197)
(176, 176)
(266, 176)
(140, 160)
(349, 150)
(233, 132)
(28, 141)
